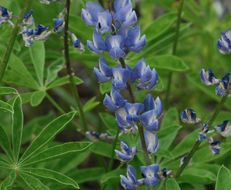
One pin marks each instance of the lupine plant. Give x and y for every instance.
(112, 94)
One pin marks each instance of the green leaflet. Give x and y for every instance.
(37, 54)
(58, 151)
(17, 126)
(5, 106)
(223, 181)
(8, 182)
(33, 183)
(47, 134)
(51, 174)
(62, 81)
(5, 143)
(37, 97)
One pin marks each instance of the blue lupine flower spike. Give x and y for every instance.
(76, 42)
(41, 33)
(150, 174)
(224, 129)
(208, 77)
(5, 15)
(224, 43)
(214, 146)
(189, 116)
(130, 181)
(223, 86)
(127, 153)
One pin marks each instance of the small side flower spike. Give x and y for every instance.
(208, 77)
(224, 43)
(5, 15)
(127, 153)
(203, 134)
(41, 33)
(224, 129)
(189, 116)
(28, 19)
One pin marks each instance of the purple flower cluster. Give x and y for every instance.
(116, 33)
(222, 85)
(115, 30)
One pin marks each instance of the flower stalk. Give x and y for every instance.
(69, 69)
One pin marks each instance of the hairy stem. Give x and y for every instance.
(197, 143)
(69, 69)
(174, 47)
(13, 36)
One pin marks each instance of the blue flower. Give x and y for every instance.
(150, 174)
(114, 101)
(133, 40)
(115, 46)
(133, 110)
(98, 45)
(104, 22)
(147, 78)
(121, 118)
(127, 153)
(5, 15)
(104, 73)
(224, 129)
(90, 13)
(129, 182)
(224, 43)
(203, 134)
(28, 19)
(222, 88)
(150, 120)
(151, 141)
(124, 15)
(120, 77)
(41, 32)
(189, 116)
(28, 36)
(59, 23)
(214, 146)
(208, 77)
(76, 42)
(153, 104)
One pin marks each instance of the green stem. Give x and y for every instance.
(13, 36)
(197, 143)
(69, 69)
(113, 150)
(53, 102)
(174, 47)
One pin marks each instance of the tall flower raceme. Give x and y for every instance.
(116, 32)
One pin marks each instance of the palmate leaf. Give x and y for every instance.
(37, 54)
(32, 182)
(47, 134)
(51, 174)
(58, 151)
(171, 184)
(17, 126)
(223, 181)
